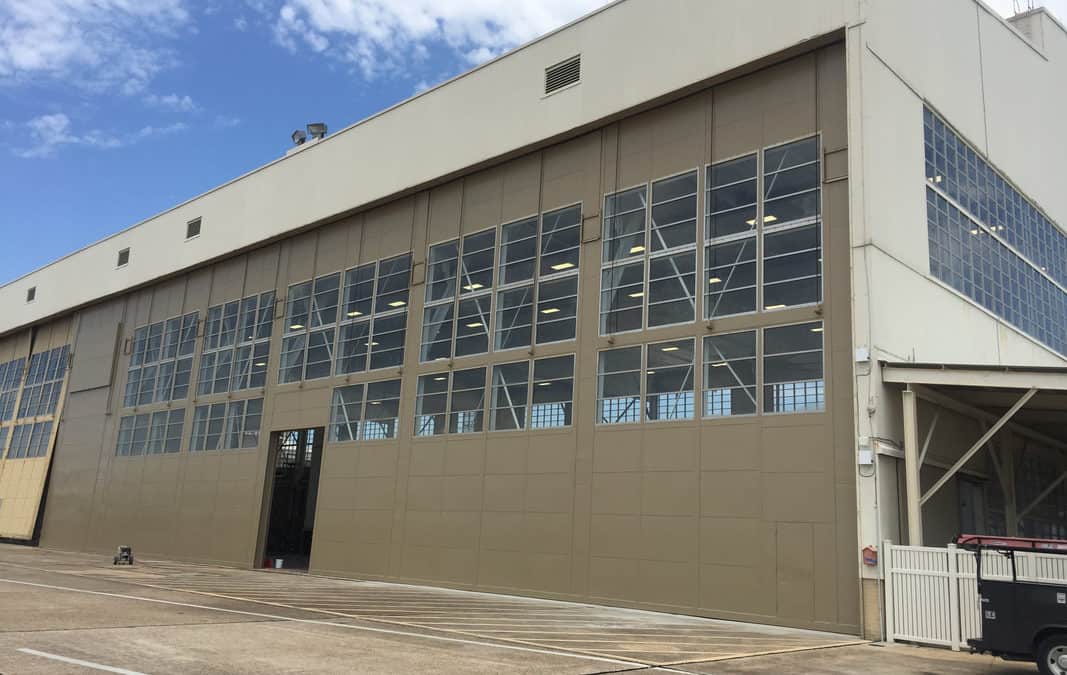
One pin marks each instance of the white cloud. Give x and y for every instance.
(48, 133)
(379, 36)
(172, 103)
(99, 45)
(226, 122)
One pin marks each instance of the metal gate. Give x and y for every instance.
(931, 593)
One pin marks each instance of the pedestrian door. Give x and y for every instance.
(297, 457)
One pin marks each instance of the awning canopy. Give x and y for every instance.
(1031, 402)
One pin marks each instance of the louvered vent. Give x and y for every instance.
(563, 74)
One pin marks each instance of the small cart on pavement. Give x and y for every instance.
(1021, 620)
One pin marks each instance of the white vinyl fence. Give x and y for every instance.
(931, 594)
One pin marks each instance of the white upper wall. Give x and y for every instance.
(1006, 98)
(632, 52)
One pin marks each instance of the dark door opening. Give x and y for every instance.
(297, 456)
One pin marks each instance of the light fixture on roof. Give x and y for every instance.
(299, 137)
(317, 130)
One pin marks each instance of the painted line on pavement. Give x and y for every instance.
(78, 662)
(317, 622)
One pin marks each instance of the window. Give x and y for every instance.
(514, 318)
(619, 386)
(192, 228)
(44, 381)
(730, 236)
(161, 361)
(383, 410)
(669, 380)
(310, 318)
(461, 405)
(347, 413)
(793, 369)
(236, 345)
(518, 251)
(467, 401)
(373, 316)
(30, 440)
(468, 321)
(10, 379)
(150, 434)
(730, 374)
(431, 405)
(123, 258)
(508, 396)
(990, 242)
(663, 250)
(557, 309)
(31, 294)
(225, 426)
(792, 227)
(553, 392)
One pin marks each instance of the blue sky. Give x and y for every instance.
(114, 110)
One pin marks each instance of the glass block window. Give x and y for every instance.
(161, 361)
(236, 345)
(669, 380)
(44, 381)
(30, 440)
(10, 380)
(619, 386)
(730, 374)
(226, 426)
(990, 242)
(793, 368)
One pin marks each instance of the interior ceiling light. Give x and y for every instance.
(774, 306)
(296, 326)
(355, 313)
(472, 287)
(817, 330)
(637, 249)
(715, 280)
(639, 294)
(769, 219)
(563, 266)
(397, 303)
(550, 310)
(475, 325)
(672, 348)
(720, 364)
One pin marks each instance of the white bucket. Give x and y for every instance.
(278, 563)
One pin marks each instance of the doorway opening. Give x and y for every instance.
(297, 457)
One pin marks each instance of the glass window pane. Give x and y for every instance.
(346, 414)
(467, 401)
(442, 269)
(472, 325)
(792, 267)
(431, 405)
(383, 410)
(669, 380)
(325, 295)
(514, 316)
(509, 396)
(730, 270)
(518, 251)
(437, 332)
(319, 354)
(619, 386)
(672, 289)
(674, 212)
(394, 277)
(557, 310)
(253, 420)
(477, 272)
(291, 368)
(730, 374)
(624, 224)
(229, 323)
(353, 345)
(553, 392)
(359, 291)
(793, 368)
(561, 234)
(622, 291)
(387, 345)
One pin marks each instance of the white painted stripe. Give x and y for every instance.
(317, 622)
(79, 662)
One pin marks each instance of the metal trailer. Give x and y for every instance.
(1021, 620)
